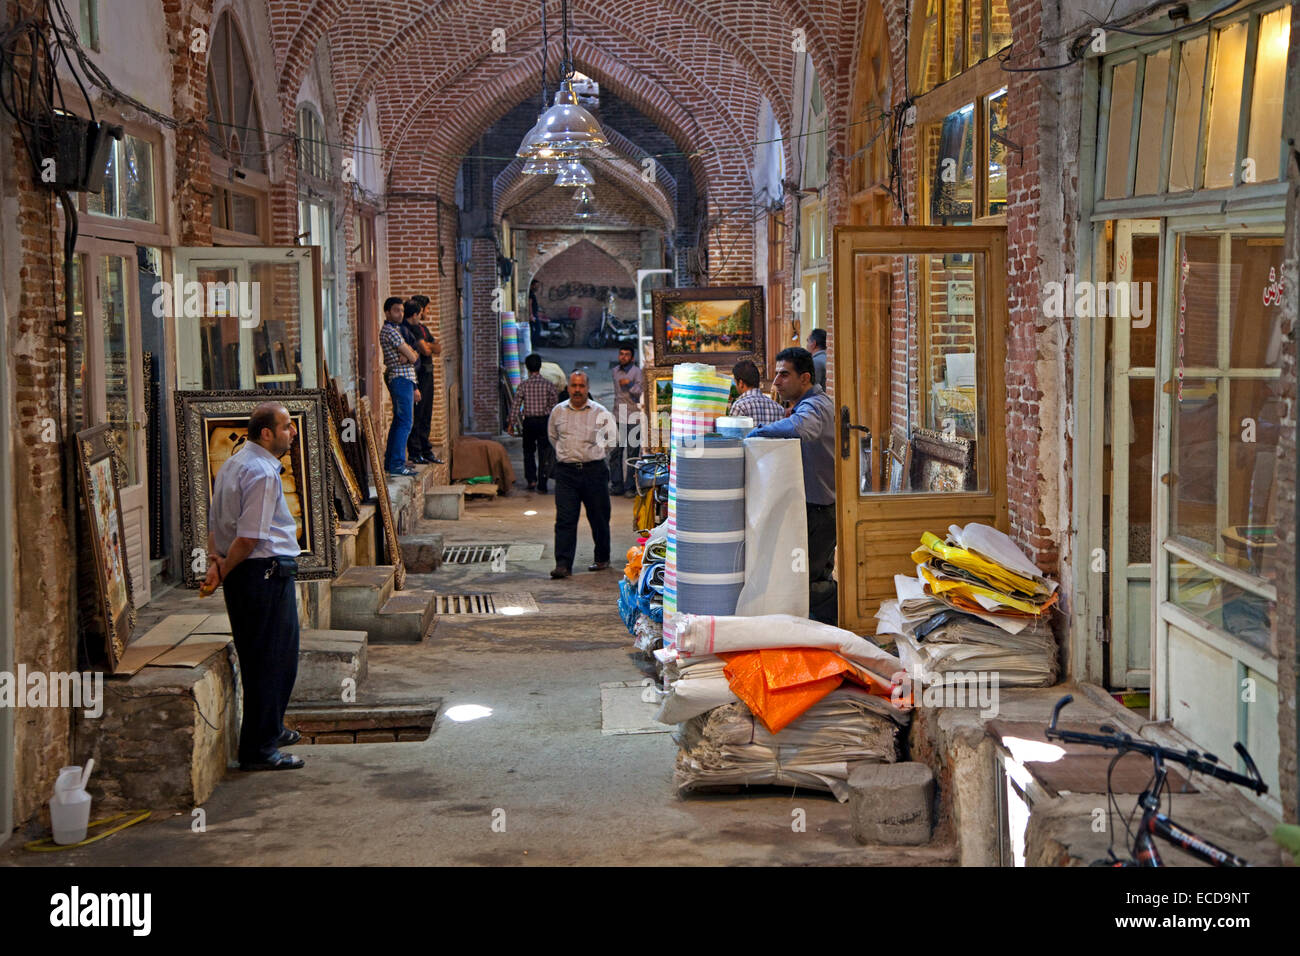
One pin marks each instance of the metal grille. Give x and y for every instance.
(471, 553)
(483, 553)
(506, 603)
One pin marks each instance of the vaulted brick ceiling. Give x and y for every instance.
(698, 68)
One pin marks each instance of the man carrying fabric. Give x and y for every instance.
(416, 315)
(399, 373)
(812, 421)
(752, 403)
(252, 551)
(529, 414)
(582, 431)
(629, 385)
(817, 348)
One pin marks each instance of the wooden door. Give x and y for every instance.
(919, 330)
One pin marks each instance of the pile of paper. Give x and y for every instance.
(977, 604)
(727, 746)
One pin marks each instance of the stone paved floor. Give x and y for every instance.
(568, 794)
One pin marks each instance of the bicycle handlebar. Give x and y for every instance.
(1198, 763)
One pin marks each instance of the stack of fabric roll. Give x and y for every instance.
(510, 348)
(699, 399)
(977, 604)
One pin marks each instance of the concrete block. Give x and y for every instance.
(376, 736)
(357, 594)
(404, 619)
(422, 553)
(891, 803)
(164, 739)
(325, 660)
(445, 502)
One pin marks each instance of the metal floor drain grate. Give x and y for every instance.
(484, 553)
(507, 603)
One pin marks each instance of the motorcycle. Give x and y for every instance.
(558, 332)
(612, 331)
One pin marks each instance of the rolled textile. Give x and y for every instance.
(710, 635)
(510, 348)
(776, 530)
(524, 332)
(709, 524)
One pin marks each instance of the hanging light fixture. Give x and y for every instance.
(585, 210)
(566, 125)
(541, 167)
(583, 194)
(526, 148)
(573, 173)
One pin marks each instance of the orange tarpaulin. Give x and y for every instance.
(779, 683)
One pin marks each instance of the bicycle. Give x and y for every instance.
(1154, 823)
(651, 474)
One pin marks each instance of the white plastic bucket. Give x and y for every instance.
(71, 819)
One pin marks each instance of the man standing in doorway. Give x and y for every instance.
(418, 447)
(629, 385)
(529, 415)
(399, 373)
(812, 421)
(817, 348)
(582, 431)
(252, 551)
(752, 403)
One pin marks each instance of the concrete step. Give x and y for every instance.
(358, 593)
(445, 502)
(405, 618)
(325, 660)
(422, 553)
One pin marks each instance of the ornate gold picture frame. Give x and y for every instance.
(101, 496)
(391, 544)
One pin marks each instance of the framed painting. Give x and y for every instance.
(898, 461)
(101, 496)
(391, 544)
(351, 487)
(212, 426)
(718, 325)
(942, 462)
(659, 408)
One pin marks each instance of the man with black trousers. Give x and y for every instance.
(582, 432)
(530, 413)
(252, 552)
(812, 421)
(418, 448)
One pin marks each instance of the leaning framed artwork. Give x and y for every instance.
(212, 426)
(101, 496)
(898, 461)
(942, 462)
(391, 544)
(717, 325)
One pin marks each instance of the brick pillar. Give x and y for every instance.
(193, 174)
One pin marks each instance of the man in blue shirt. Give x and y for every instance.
(812, 421)
(252, 551)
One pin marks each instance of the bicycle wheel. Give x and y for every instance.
(594, 339)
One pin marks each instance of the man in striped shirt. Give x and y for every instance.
(531, 409)
(399, 372)
(752, 403)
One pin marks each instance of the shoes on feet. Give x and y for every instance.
(288, 738)
(418, 460)
(278, 761)
(532, 485)
(560, 572)
(404, 473)
(598, 566)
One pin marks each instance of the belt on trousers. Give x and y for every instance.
(262, 565)
(582, 464)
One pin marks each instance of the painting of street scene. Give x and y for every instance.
(716, 325)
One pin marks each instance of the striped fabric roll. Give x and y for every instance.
(707, 495)
(510, 345)
(524, 332)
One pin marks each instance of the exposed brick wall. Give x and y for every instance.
(583, 272)
(193, 174)
(485, 340)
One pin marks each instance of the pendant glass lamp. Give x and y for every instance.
(566, 125)
(585, 210)
(583, 194)
(573, 173)
(541, 167)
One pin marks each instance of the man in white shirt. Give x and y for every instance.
(582, 432)
(252, 551)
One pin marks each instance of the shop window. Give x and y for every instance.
(234, 113)
(966, 162)
(316, 226)
(813, 262)
(313, 150)
(1224, 81)
(868, 132)
(1227, 412)
(813, 173)
(88, 24)
(128, 191)
(955, 36)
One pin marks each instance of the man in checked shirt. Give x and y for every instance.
(532, 406)
(752, 403)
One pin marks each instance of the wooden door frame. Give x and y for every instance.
(849, 241)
